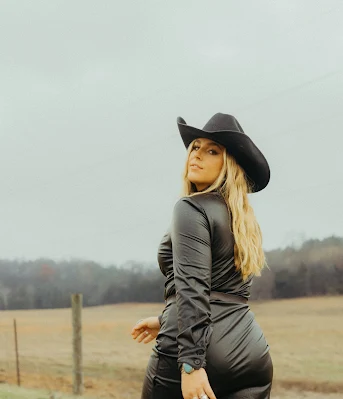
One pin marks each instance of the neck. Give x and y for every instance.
(201, 188)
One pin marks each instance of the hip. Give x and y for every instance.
(237, 340)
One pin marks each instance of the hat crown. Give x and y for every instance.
(221, 121)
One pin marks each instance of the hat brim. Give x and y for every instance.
(237, 144)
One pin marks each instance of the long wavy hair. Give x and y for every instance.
(234, 186)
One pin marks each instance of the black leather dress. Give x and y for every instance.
(197, 256)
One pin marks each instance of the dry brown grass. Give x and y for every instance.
(305, 335)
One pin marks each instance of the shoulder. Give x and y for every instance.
(201, 203)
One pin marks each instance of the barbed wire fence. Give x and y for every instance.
(111, 364)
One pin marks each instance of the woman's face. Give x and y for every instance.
(205, 162)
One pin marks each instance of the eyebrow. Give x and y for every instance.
(211, 143)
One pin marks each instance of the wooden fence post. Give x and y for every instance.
(16, 351)
(76, 301)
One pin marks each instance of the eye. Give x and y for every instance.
(214, 152)
(194, 147)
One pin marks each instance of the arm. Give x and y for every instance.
(192, 263)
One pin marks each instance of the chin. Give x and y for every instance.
(193, 177)
(194, 181)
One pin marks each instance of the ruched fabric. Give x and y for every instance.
(196, 256)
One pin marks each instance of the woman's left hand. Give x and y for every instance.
(196, 385)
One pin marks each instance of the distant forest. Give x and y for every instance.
(316, 268)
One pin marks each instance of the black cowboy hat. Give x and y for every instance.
(225, 130)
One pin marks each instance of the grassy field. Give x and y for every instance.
(305, 336)
(13, 392)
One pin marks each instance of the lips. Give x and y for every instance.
(195, 165)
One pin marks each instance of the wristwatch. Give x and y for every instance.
(187, 368)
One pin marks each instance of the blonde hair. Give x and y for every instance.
(234, 187)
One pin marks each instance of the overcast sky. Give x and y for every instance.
(90, 154)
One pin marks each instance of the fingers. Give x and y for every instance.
(147, 338)
(143, 335)
(139, 334)
(139, 325)
(138, 328)
(137, 331)
(208, 395)
(197, 385)
(209, 392)
(142, 332)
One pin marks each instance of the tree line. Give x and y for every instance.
(315, 268)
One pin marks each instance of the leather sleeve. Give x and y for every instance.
(192, 263)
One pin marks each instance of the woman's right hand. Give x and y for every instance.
(146, 329)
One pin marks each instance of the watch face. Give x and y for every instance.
(188, 369)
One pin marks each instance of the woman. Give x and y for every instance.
(208, 344)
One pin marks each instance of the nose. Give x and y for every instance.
(197, 154)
